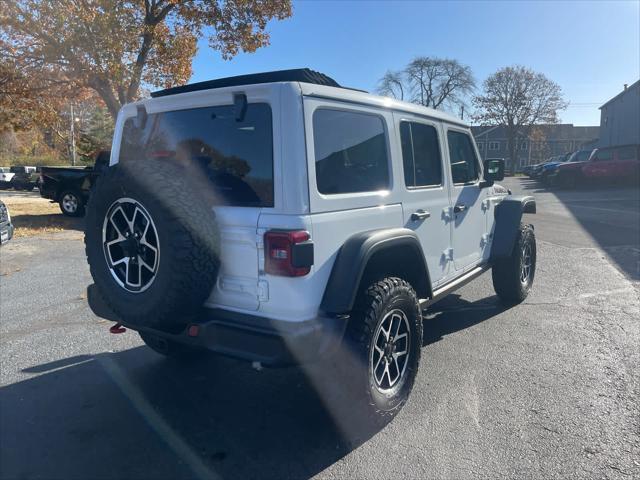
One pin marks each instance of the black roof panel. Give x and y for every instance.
(295, 75)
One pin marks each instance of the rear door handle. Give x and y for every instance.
(459, 208)
(419, 215)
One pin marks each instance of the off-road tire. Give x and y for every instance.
(374, 302)
(188, 241)
(79, 212)
(506, 272)
(172, 349)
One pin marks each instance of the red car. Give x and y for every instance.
(605, 165)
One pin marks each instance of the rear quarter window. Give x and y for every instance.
(236, 157)
(350, 151)
(420, 155)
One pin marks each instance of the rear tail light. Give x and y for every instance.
(288, 253)
(161, 154)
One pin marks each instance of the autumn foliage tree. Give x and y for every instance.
(114, 47)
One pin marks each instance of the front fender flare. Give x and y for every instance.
(508, 215)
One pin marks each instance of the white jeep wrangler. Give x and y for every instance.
(278, 217)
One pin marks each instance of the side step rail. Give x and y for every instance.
(454, 285)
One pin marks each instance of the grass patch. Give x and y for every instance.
(42, 160)
(32, 215)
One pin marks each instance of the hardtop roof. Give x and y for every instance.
(316, 84)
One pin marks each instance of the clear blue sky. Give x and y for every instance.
(590, 48)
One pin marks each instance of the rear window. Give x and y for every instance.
(236, 156)
(351, 152)
(420, 155)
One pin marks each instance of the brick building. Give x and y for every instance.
(535, 144)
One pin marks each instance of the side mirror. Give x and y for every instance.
(493, 171)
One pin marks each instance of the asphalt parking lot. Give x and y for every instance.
(550, 388)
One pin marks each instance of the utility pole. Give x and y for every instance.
(462, 112)
(73, 137)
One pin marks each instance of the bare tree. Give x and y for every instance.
(392, 85)
(517, 97)
(430, 81)
(436, 82)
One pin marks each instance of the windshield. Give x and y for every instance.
(236, 156)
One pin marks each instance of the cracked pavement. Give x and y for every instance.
(549, 388)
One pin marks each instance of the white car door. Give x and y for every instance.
(468, 211)
(425, 194)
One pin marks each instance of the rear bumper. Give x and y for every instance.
(6, 232)
(248, 337)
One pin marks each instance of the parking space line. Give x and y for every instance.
(155, 421)
(618, 210)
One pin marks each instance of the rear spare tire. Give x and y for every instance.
(152, 244)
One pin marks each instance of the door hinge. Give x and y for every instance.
(447, 213)
(485, 239)
(263, 290)
(448, 254)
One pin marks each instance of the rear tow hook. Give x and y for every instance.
(117, 328)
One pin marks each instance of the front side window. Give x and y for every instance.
(350, 151)
(236, 157)
(462, 157)
(580, 156)
(603, 155)
(420, 155)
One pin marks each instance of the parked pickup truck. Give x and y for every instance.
(24, 178)
(5, 178)
(619, 164)
(70, 186)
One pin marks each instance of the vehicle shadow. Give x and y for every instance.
(134, 414)
(609, 214)
(453, 314)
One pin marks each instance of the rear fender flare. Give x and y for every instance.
(366, 249)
